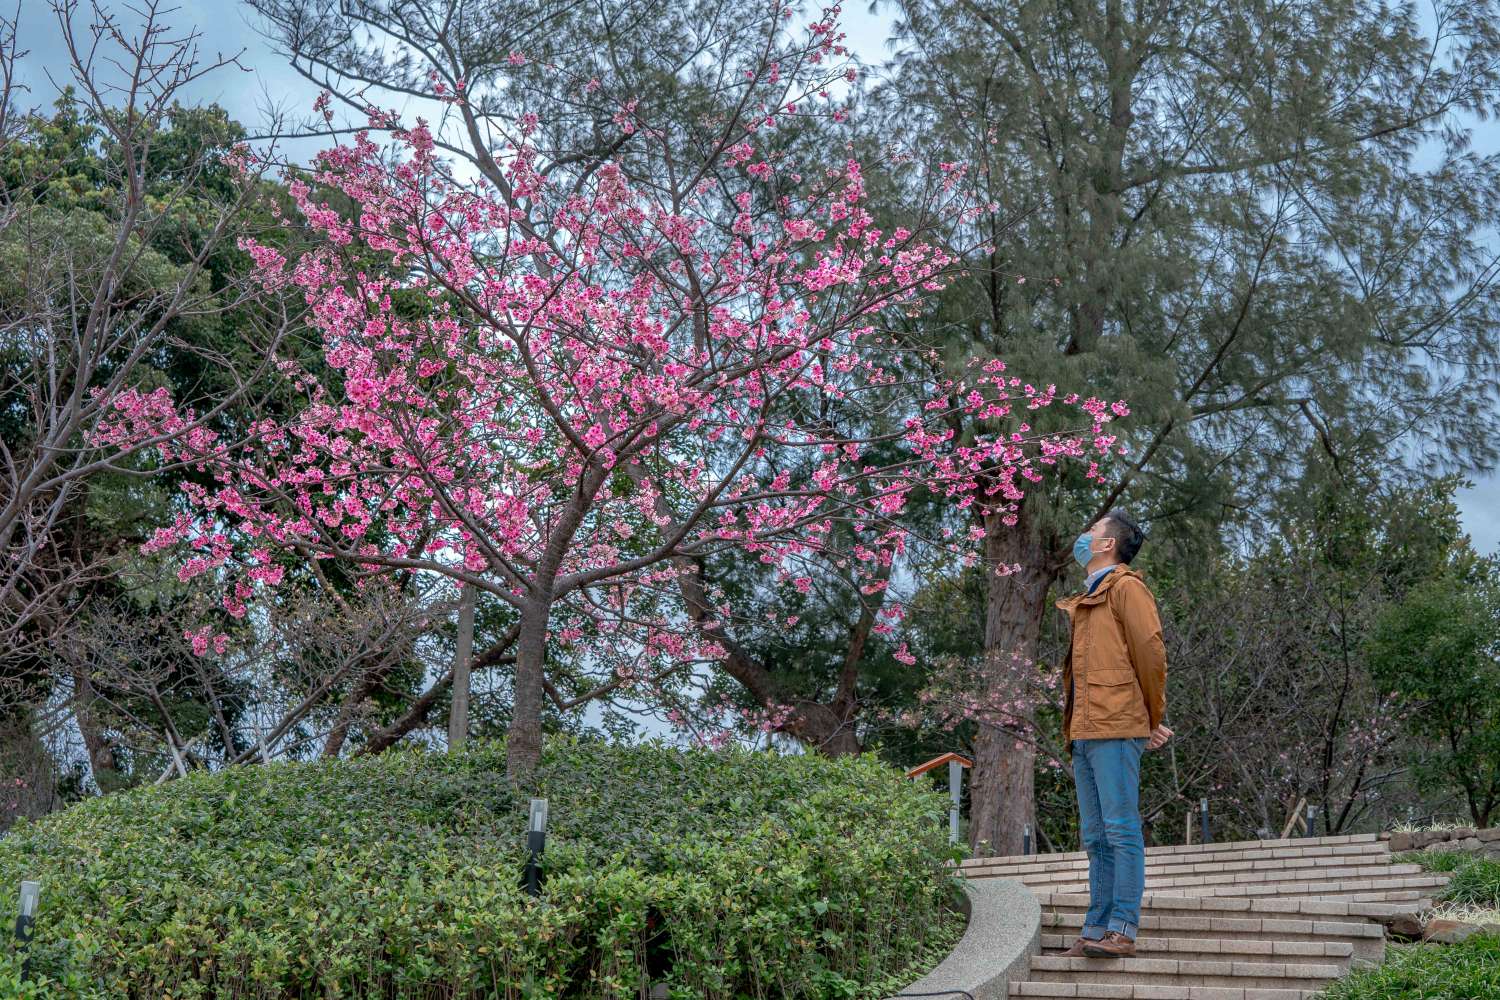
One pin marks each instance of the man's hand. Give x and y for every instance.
(1158, 738)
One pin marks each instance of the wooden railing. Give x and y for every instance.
(956, 765)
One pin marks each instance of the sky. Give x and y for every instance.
(266, 82)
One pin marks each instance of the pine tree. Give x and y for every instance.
(1261, 225)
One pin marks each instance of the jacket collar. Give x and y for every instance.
(1114, 576)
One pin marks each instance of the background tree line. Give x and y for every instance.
(1264, 227)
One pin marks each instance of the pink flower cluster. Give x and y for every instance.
(558, 390)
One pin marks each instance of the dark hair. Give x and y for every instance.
(1126, 533)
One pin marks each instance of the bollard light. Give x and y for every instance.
(1203, 814)
(30, 893)
(1026, 839)
(538, 822)
(1312, 820)
(536, 840)
(955, 796)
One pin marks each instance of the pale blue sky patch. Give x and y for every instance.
(268, 84)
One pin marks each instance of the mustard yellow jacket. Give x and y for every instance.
(1115, 674)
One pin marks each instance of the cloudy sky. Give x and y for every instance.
(266, 82)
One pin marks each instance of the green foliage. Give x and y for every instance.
(1435, 861)
(1439, 648)
(1475, 881)
(1467, 971)
(728, 875)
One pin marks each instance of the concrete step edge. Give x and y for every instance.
(1226, 874)
(1267, 889)
(1255, 851)
(1257, 949)
(1163, 901)
(1176, 849)
(1285, 928)
(1200, 967)
(1127, 991)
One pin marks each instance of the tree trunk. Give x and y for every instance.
(1002, 798)
(458, 714)
(523, 748)
(102, 762)
(825, 729)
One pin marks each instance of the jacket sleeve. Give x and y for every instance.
(1148, 653)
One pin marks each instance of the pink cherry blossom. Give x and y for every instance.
(604, 380)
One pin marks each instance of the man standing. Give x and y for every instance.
(1115, 680)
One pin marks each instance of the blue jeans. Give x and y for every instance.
(1108, 776)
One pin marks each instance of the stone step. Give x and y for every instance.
(1130, 991)
(1364, 851)
(1178, 850)
(1392, 889)
(1172, 971)
(1325, 857)
(1315, 951)
(1051, 881)
(1366, 939)
(1271, 907)
(1412, 887)
(1399, 898)
(1315, 869)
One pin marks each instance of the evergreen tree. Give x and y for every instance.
(1261, 225)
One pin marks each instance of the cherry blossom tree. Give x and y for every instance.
(559, 384)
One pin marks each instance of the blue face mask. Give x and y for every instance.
(1082, 549)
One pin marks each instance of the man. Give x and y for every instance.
(1114, 680)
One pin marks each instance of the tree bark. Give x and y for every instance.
(1002, 795)
(101, 755)
(458, 714)
(523, 748)
(825, 728)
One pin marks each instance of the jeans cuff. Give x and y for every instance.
(1121, 927)
(1093, 932)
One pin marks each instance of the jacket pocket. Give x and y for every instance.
(1114, 697)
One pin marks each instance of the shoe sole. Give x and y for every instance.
(1101, 953)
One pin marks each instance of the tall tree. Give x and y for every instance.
(1440, 650)
(574, 406)
(117, 225)
(1260, 224)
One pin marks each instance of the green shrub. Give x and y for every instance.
(1475, 881)
(728, 875)
(1467, 971)
(1435, 861)
(1475, 884)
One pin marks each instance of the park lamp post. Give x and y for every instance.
(536, 840)
(956, 765)
(30, 893)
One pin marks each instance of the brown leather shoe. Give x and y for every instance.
(1075, 950)
(1114, 945)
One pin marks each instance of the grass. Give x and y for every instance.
(939, 946)
(1435, 861)
(1468, 971)
(1472, 896)
(1437, 824)
(1467, 913)
(1475, 882)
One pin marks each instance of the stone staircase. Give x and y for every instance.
(1258, 920)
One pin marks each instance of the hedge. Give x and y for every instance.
(731, 875)
(1466, 971)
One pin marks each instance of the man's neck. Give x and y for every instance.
(1096, 565)
(1095, 575)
